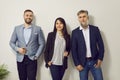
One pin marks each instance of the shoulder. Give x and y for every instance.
(74, 31)
(51, 33)
(93, 27)
(37, 27)
(19, 26)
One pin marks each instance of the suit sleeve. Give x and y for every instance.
(46, 52)
(41, 42)
(13, 41)
(74, 49)
(68, 44)
(100, 44)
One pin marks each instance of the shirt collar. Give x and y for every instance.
(81, 28)
(28, 27)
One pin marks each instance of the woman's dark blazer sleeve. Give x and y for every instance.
(46, 52)
(68, 45)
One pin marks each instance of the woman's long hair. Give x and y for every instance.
(64, 30)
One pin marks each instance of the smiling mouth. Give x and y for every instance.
(59, 27)
(28, 19)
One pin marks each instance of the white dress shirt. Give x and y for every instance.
(86, 34)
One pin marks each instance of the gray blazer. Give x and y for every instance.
(35, 45)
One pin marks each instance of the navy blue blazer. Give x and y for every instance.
(79, 46)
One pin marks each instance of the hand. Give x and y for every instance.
(99, 62)
(22, 51)
(79, 67)
(49, 63)
(65, 53)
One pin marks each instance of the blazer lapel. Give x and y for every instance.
(81, 37)
(53, 42)
(91, 34)
(54, 36)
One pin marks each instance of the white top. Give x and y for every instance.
(59, 49)
(86, 33)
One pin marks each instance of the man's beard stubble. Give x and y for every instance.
(28, 22)
(85, 24)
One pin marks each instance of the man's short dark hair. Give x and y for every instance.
(28, 10)
(82, 11)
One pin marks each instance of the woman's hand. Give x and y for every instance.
(49, 63)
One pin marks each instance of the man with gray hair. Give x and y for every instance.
(87, 48)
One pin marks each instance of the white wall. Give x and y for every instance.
(103, 13)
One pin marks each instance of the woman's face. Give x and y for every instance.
(59, 25)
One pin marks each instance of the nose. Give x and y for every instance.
(28, 16)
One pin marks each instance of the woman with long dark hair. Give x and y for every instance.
(57, 49)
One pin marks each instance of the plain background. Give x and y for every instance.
(103, 13)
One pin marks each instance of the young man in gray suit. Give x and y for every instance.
(28, 42)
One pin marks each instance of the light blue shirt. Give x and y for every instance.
(27, 33)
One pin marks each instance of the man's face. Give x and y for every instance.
(28, 17)
(83, 19)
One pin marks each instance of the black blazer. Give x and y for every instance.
(79, 47)
(48, 54)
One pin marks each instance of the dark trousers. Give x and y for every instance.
(57, 72)
(27, 69)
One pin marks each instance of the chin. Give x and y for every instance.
(59, 29)
(84, 24)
